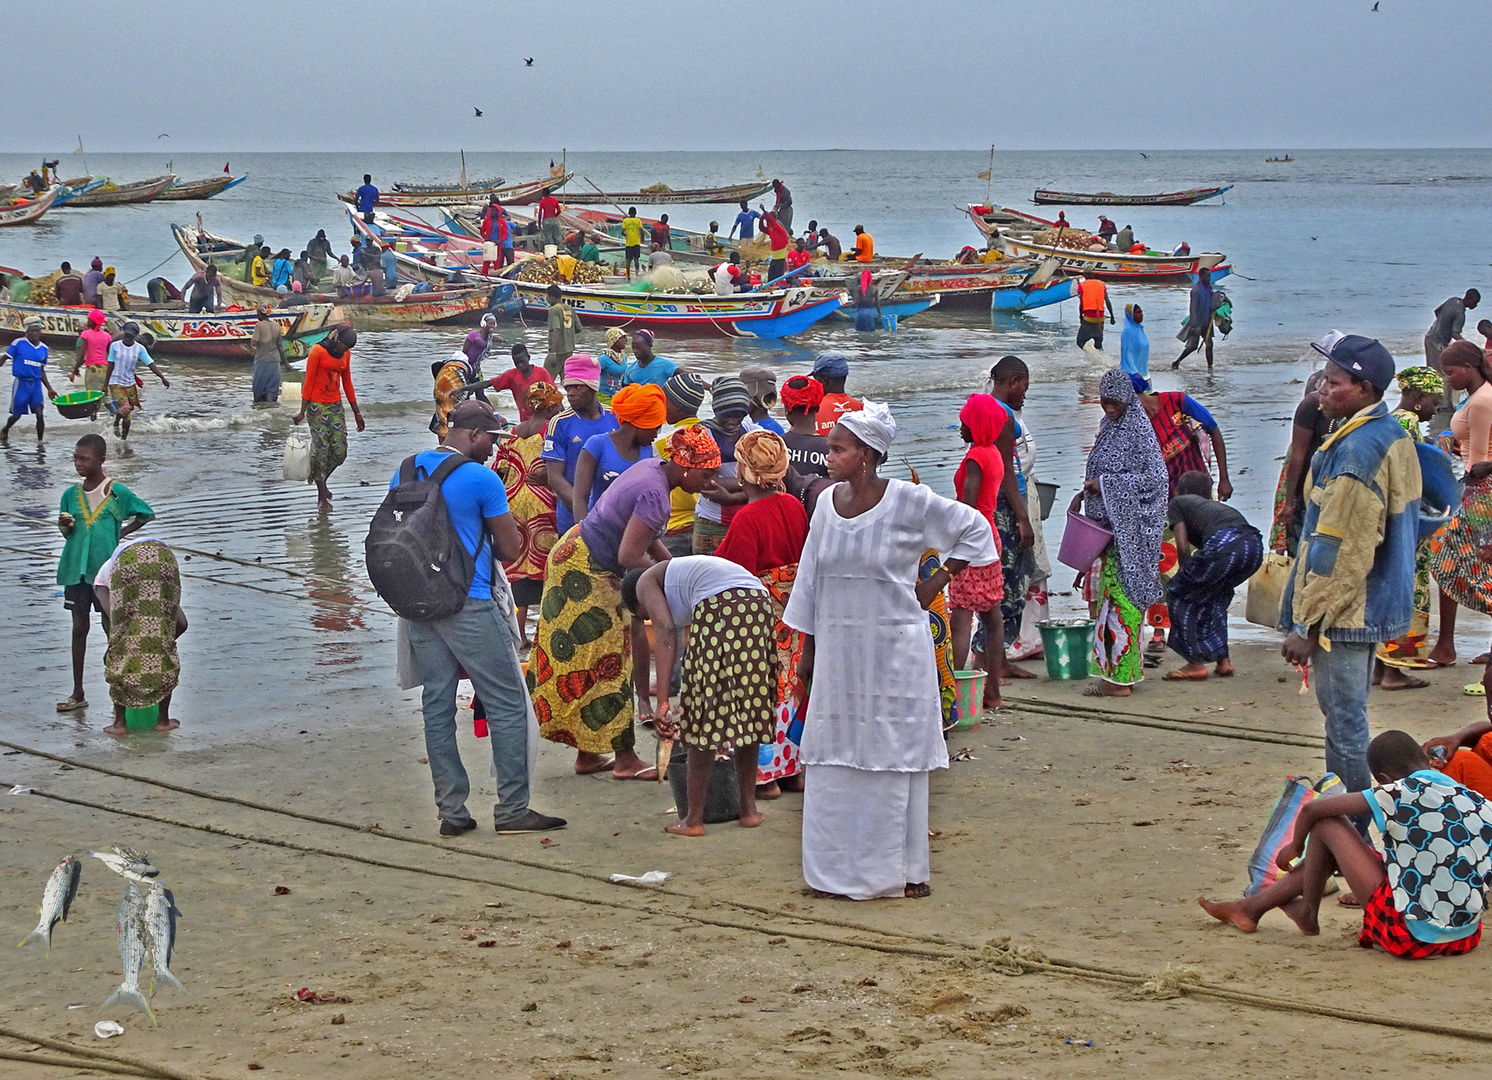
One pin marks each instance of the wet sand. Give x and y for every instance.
(1078, 835)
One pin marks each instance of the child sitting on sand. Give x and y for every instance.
(1466, 757)
(1425, 894)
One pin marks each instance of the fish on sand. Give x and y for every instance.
(160, 934)
(130, 928)
(56, 899)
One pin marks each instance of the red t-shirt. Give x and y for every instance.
(513, 380)
(548, 207)
(991, 476)
(796, 258)
(776, 234)
(833, 407)
(766, 534)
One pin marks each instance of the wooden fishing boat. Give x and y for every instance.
(456, 191)
(959, 285)
(1024, 298)
(521, 194)
(732, 194)
(201, 189)
(1047, 197)
(366, 312)
(71, 189)
(26, 211)
(228, 335)
(1280, 160)
(1113, 265)
(897, 307)
(775, 314)
(111, 194)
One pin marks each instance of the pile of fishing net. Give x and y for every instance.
(1078, 239)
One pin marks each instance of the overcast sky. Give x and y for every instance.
(720, 75)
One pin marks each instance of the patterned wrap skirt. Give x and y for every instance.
(779, 760)
(1455, 559)
(707, 536)
(140, 662)
(937, 620)
(1117, 646)
(328, 438)
(1202, 589)
(979, 588)
(580, 670)
(729, 689)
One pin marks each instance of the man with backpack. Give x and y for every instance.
(430, 554)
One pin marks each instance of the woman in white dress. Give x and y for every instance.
(874, 722)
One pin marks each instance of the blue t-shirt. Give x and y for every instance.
(472, 496)
(613, 374)
(746, 219)
(280, 275)
(26, 360)
(367, 195)
(609, 463)
(658, 372)
(563, 442)
(766, 423)
(390, 269)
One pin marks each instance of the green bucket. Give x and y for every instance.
(969, 688)
(142, 718)
(1066, 644)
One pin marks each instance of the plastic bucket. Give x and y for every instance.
(1066, 643)
(550, 251)
(1047, 493)
(722, 795)
(969, 688)
(1082, 542)
(142, 718)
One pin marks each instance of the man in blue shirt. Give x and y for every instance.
(28, 363)
(746, 222)
(568, 432)
(390, 266)
(367, 198)
(478, 640)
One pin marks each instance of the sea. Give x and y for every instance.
(286, 630)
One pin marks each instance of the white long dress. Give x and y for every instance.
(874, 725)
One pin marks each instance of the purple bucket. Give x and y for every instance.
(1082, 541)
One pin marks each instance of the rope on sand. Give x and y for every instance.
(999, 954)
(1189, 727)
(88, 1057)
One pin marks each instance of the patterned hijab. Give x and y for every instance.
(1135, 489)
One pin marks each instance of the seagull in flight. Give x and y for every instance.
(1375, 7)
(476, 110)
(528, 61)
(1144, 155)
(163, 135)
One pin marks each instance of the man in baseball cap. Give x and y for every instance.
(1352, 584)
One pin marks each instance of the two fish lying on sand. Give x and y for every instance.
(146, 925)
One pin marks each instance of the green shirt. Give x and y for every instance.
(95, 535)
(590, 253)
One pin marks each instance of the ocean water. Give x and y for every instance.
(285, 626)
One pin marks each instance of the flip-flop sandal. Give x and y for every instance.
(1481, 660)
(1181, 676)
(1410, 683)
(650, 773)
(1474, 689)
(1436, 665)
(591, 770)
(72, 704)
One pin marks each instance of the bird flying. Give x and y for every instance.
(1375, 7)
(476, 110)
(528, 61)
(163, 135)
(1144, 155)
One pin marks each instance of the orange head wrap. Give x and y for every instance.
(543, 395)
(693, 448)
(641, 404)
(761, 458)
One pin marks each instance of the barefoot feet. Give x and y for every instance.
(1229, 911)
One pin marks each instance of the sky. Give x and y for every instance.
(662, 75)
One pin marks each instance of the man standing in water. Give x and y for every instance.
(1198, 319)
(1093, 301)
(1450, 320)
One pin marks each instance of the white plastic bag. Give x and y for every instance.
(297, 457)
(1267, 590)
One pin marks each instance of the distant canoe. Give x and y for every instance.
(24, 213)
(722, 195)
(201, 189)
(520, 194)
(476, 186)
(111, 194)
(1114, 265)
(1045, 197)
(1280, 160)
(228, 335)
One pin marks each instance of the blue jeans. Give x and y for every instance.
(1343, 678)
(477, 640)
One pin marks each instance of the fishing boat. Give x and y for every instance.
(476, 187)
(82, 185)
(1025, 297)
(959, 285)
(1113, 265)
(201, 189)
(404, 307)
(1047, 197)
(228, 335)
(894, 307)
(521, 194)
(777, 313)
(26, 211)
(1280, 160)
(732, 194)
(111, 194)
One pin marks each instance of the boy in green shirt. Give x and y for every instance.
(95, 515)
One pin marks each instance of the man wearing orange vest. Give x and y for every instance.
(1093, 299)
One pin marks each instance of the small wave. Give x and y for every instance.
(165, 424)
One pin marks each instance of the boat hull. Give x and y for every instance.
(1045, 197)
(721, 195)
(775, 314)
(200, 189)
(1015, 298)
(228, 335)
(121, 194)
(899, 307)
(520, 194)
(31, 211)
(1113, 265)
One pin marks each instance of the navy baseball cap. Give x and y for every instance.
(1363, 358)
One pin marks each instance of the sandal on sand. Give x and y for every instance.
(650, 773)
(1436, 665)
(1184, 676)
(72, 704)
(591, 770)
(1409, 683)
(1474, 689)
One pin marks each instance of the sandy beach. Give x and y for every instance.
(1082, 833)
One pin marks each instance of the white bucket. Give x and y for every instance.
(550, 251)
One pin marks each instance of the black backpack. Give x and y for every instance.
(415, 559)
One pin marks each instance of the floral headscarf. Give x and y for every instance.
(1425, 379)
(1134, 490)
(694, 447)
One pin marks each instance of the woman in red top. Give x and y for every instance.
(980, 588)
(328, 374)
(766, 537)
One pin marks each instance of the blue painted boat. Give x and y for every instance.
(69, 193)
(898, 308)
(1018, 298)
(1218, 273)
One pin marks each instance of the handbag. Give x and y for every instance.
(297, 458)
(1267, 589)
(1299, 790)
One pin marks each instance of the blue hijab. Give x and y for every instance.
(1134, 346)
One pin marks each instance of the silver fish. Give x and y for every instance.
(160, 933)
(126, 863)
(130, 926)
(56, 899)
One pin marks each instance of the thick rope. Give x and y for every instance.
(147, 1068)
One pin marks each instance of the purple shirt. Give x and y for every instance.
(475, 348)
(641, 492)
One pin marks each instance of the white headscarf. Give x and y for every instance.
(873, 425)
